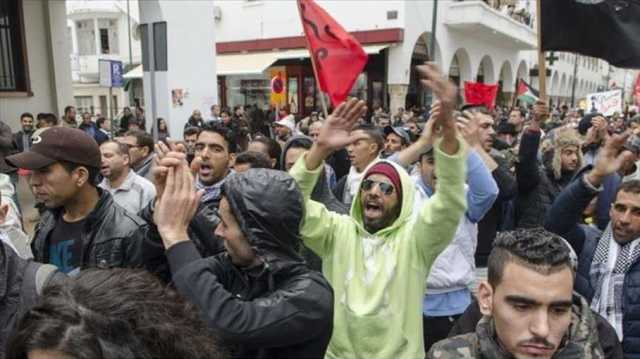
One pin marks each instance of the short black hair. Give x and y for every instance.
(534, 248)
(100, 121)
(50, 118)
(142, 138)
(94, 172)
(190, 131)
(123, 148)
(374, 132)
(523, 113)
(632, 186)
(26, 114)
(273, 147)
(254, 159)
(67, 109)
(223, 131)
(302, 142)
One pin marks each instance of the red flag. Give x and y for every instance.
(338, 56)
(637, 90)
(476, 93)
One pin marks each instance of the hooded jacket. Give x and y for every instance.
(379, 278)
(581, 340)
(280, 309)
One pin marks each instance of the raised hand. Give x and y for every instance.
(165, 157)
(469, 128)
(610, 158)
(336, 131)
(540, 114)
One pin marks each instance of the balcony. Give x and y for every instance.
(479, 20)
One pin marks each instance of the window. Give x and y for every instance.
(108, 36)
(13, 58)
(84, 104)
(86, 33)
(160, 46)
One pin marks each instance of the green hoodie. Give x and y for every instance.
(379, 279)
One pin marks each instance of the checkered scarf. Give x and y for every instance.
(212, 193)
(608, 284)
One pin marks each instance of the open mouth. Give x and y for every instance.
(205, 170)
(372, 209)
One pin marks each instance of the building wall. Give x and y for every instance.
(49, 71)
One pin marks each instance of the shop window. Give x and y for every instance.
(13, 58)
(308, 93)
(359, 89)
(292, 97)
(247, 90)
(84, 104)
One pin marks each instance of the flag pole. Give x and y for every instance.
(313, 65)
(542, 65)
(514, 99)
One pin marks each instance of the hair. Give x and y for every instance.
(160, 119)
(50, 118)
(26, 114)
(142, 138)
(632, 186)
(523, 113)
(67, 109)
(534, 248)
(190, 131)
(254, 159)
(123, 148)
(94, 172)
(114, 314)
(100, 121)
(223, 131)
(273, 147)
(225, 111)
(374, 132)
(300, 143)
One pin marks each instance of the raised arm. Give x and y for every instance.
(527, 172)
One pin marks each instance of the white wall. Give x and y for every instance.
(49, 70)
(191, 60)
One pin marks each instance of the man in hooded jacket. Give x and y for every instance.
(259, 297)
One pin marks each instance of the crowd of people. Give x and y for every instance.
(451, 231)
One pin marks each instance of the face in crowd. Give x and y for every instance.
(625, 213)
(27, 123)
(427, 167)
(486, 131)
(380, 202)
(569, 158)
(314, 130)
(115, 159)
(362, 152)
(57, 185)
(214, 157)
(393, 144)
(137, 152)
(531, 309)
(235, 242)
(516, 119)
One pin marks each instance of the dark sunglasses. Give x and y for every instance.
(387, 189)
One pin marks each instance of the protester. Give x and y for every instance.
(190, 136)
(339, 160)
(361, 153)
(127, 117)
(507, 133)
(22, 138)
(140, 119)
(128, 189)
(87, 125)
(163, 130)
(528, 304)
(11, 230)
(225, 117)
(539, 185)
(314, 129)
(22, 284)
(375, 310)
(140, 152)
(47, 120)
(251, 159)
(103, 133)
(83, 227)
(7, 148)
(214, 116)
(113, 314)
(517, 118)
(215, 151)
(608, 260)
(69, 118)
(285, 128)
(396, 140)
(261, 263)
(269, 147)
(594, 127)
(195, 120)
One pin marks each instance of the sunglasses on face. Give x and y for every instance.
(385, 188)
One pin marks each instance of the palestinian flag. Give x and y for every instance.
(526, 93)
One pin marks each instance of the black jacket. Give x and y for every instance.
(537, 186)
(6, 148)
(19, 138)
(563, 219)
(280, 309)
(112, 237)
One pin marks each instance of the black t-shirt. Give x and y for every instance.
(65, 243)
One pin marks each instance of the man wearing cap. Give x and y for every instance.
(83, 226)
(630, 169)
(377, 258)
(396, 140)
(285, 127)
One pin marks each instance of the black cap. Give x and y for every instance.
(59, 144)
(401, 132)
(506, 128)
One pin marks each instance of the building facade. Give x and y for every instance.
(103, 30)
(35, 75)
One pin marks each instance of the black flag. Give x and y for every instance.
(607, 29)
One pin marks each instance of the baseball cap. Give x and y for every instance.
(401, 132)
(288, 122)
(59, 144)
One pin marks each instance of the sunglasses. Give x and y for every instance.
(385, 188)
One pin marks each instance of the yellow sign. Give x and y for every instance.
(278, 76)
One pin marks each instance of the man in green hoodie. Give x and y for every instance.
(378, 257)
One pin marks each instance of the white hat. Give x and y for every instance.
(288, 122)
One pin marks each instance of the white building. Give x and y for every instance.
(102, 30)
(35, 75)
(474, 42)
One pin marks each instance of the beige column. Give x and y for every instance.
(397, 97)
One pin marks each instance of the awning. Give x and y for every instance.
(135, 73)
(256, 63)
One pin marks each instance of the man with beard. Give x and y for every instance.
(377, 258)
(69, 118)
(190, 137)
(539, 185)
(22, 139)
(609, 260)
(130, 190)
(140, 152)
(528, 304)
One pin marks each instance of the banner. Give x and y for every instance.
(278, 86)
(476, 93)
(607, 103)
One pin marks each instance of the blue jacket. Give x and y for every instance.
(563, 219)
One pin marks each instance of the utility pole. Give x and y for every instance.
(434, 22)
(129, 34)
(575, 80)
